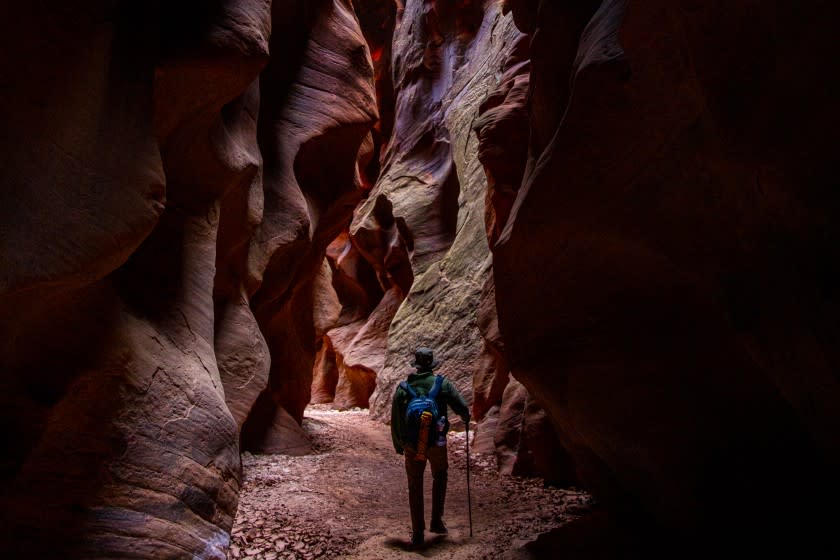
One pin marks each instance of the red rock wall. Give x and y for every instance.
(459, 67)
(665, 278)
(154, 192)
(311, 143)
(371, 270)
(656, 184)
(373, 275)
(446, 56)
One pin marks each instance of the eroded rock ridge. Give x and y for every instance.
(614, 222)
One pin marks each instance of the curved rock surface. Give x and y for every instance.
(328, 110)
(664, 279)
(525, 442)
(120, 137)
(143, 209)
(446, 59)
(375, 269)
(656, 181)
(241, 350)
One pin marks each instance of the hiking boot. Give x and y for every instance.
(417, 539)
(438, 527)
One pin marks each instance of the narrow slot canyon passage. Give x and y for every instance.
(348, 499)
(230, 230)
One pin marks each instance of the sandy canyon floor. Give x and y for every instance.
(349, 499)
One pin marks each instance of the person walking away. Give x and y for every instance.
(419, 425)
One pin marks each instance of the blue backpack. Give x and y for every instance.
(423, 421)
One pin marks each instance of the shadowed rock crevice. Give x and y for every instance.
(449, 207)
(357, 282)
(378, 18)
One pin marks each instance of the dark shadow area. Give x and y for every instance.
(450, 193)
(428, 548)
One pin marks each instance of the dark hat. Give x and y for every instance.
(424, 359)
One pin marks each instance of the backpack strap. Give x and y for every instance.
(409, 389)
(436, 387)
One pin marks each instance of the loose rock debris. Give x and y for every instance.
(350, 500)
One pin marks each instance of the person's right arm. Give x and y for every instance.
(456, 401)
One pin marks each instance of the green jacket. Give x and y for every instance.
(422, 381)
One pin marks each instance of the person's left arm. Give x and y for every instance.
(397, 422)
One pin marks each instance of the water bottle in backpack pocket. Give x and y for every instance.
(442, 430)
(422, 419)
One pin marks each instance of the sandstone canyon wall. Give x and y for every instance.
(446, 59)
(151, 199)
(614, 222)
(666, 278)
(311, 137)
(414, 267)
(370, 274)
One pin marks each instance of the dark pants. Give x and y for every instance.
(414, 469)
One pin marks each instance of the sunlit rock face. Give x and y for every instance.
(145, 212)
(447, 56)
(666, 277)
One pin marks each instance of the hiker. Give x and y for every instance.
(425, 439)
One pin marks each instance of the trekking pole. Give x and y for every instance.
(469, 498)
